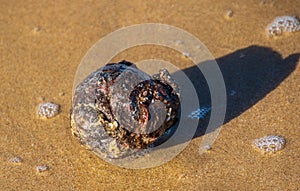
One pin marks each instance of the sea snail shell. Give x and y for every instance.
(118, 110)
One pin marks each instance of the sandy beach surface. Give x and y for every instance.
(43, 42)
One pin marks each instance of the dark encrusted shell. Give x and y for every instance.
(119, 111)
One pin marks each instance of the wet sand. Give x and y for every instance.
(42, 44)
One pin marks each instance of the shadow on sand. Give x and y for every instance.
(249, 74)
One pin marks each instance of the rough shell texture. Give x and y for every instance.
(48, 110)
(270, 144)
(283, 24)
(119, 111)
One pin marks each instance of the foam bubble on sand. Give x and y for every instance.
(16, 160)
(269, 144)
(48, 109)
(283, 24)
(200, 113)
(42, 168)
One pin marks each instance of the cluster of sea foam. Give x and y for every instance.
(48, 109)
(269, 144)
(283, 24)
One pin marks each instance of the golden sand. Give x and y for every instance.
(43, 42)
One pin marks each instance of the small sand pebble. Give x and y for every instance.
(283, 24)
(186, 54)
(42, 168)
(198, 46)
(228, 14)
(48, 110)
(15, 160)
(36, 29)
(178, 42)
(207, 147)
(269, 144)
(61, 94)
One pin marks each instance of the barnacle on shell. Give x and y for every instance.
(283, 24)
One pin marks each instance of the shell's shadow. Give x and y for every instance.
(249, 75)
